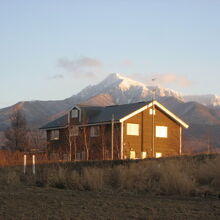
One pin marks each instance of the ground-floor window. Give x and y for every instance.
(143, 155)
(158, 154)
(81, 155)
(132, 154)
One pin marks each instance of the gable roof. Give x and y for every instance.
(161, 107)
(97, 115)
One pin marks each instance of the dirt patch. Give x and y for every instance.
(51, 203)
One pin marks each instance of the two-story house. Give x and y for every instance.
(137, 130)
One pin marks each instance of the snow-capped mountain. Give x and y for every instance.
(126, 90)
(114, 89)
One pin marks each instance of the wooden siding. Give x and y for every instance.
(99, 148)
(144, 142)
(59, 146)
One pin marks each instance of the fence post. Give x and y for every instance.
(25, 163)
(33, 164)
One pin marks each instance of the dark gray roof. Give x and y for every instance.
(118, 111)
(58, 123)
(97, 114)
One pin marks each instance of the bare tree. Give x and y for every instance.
(36, 139)
(86, 142)
(17, 134)
(102, 132)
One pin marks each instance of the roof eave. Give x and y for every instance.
(53, 128)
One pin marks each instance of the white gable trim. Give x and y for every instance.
(170, 113)
(134, 113)
(156, 103)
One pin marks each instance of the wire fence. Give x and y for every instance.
(14, 158)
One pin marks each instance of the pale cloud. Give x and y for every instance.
(172, 78)
(84, 67)
(166, 79)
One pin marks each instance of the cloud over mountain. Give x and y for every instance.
(166, 79)
(172, 78)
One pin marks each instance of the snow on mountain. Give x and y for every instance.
(126, 90)
(208, 100)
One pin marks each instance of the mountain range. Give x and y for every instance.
(201, 112)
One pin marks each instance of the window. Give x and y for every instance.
(152, 111)
(132, 129)
(94, 131)
(83, 155)
(143, 155)
(54, 135)
(74, 131)
(161, 131)
(132, 154)
(158, 154)
(74, 113)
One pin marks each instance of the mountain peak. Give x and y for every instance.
(113, 77)
(124, 83)
(125, 90)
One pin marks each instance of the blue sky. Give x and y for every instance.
(51, 49)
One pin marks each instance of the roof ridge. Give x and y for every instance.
(133, 103)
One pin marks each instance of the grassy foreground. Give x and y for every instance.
(170, 188)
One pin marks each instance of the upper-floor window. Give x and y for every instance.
(74, 131)
(74, 113)
(94, 131)
(152, 111)
(54, 135)
(132, 129)
(161, 131)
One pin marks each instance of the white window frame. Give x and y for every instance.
(74, 113)
(133, 129)
(74, 131)
(54, 134)
(94, 131)
(161, 131)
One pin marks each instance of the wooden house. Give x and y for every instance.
(137, 130)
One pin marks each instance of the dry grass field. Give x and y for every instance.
(170, 188)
